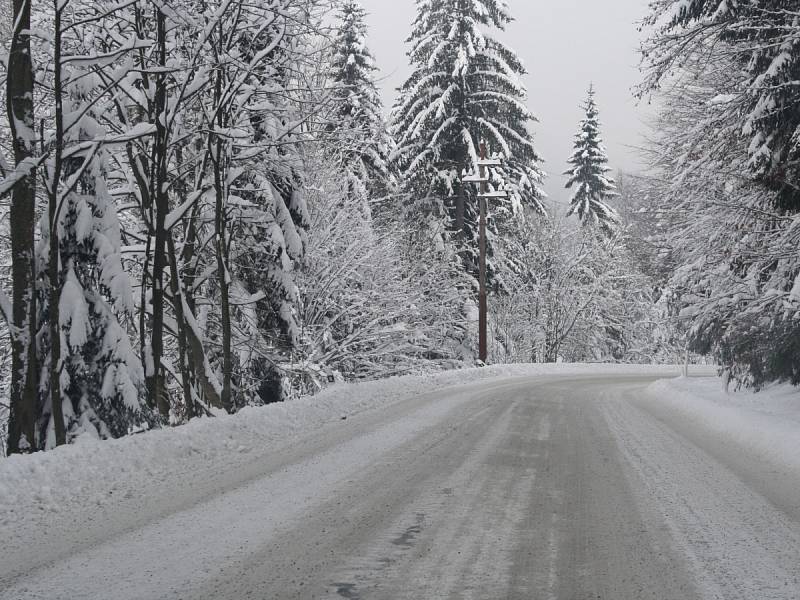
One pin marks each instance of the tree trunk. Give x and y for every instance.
(19, 107)
(54, 295)
(155, 388)
(194, 344)
(221, 250)
(184, 363)
(224, 282)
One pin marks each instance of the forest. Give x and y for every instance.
(206, 206)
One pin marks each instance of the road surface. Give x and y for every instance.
(562, 488)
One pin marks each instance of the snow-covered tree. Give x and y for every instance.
(357, 108)
(575, 296)
(194, 128)
(360, 314)
(101, 378)
(588, 174)
(268, 247)
(86, 377)
(229, 225)
(763, 38)
(464, 87)
(728, 144)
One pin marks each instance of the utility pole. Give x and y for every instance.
(483, 307)
(485, 194)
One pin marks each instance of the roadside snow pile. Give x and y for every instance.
(765, 423)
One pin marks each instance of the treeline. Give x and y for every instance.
(208, 209)
(726, 185)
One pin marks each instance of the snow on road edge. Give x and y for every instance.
(766, 424)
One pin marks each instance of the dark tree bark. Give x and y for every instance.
(184, 362)
(54, 293)
(220, 227)
(155, 385)
(224, 283)
(19, 106)
(194, 345)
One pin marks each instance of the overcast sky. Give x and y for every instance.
(564, 45)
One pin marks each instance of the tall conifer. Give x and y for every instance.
(465, 86)
(588, 173)
(358, 112)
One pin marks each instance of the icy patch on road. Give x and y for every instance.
(766, 424)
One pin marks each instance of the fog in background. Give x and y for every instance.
(564, 44)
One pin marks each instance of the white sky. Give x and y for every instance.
(564, 45)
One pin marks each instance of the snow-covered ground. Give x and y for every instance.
(166, 510)
(765, 424)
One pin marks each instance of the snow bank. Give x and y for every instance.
(149, 466)
(766, 423)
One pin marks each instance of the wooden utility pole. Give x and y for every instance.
(483, 351)
(483, 180)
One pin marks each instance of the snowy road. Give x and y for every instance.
(565, 488)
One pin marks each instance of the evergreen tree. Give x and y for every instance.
(465, 87)
(729, 143)
(589, 174)
(762, 38)
(358, 111)
(270, 247)
(101, 377)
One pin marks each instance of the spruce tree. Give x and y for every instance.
(465, 87)
(358, 110)
(270, 247)
(588, 174)
(761, 38)
(101, 379)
